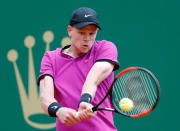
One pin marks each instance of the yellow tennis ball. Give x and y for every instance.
(126, 104)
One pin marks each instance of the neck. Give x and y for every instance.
(71, 51)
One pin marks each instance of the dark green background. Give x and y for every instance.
(146, 33)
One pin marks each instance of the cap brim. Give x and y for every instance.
(83, 24)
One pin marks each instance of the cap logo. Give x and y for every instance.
(87, 15)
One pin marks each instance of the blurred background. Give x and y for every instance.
(146, 33)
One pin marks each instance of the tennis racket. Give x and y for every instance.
(137, 84)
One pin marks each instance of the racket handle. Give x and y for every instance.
(94, 109)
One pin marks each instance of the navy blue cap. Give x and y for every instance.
(84, 16)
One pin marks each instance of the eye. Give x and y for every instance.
(91, 33)
(81, 33)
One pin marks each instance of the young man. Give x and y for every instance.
(76, 77)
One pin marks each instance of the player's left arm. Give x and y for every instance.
(99, 72)
(106, 62)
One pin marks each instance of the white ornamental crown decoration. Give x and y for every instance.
(31, 102)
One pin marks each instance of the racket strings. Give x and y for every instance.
(134, 94)
(148, 83)
(139, 87)
(143, 103)
(142, 100)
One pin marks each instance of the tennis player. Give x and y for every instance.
(76, 77)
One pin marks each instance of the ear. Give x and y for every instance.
(97, 29)
(69, 29)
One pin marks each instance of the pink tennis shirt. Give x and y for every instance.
(69, 75)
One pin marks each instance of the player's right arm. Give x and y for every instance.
(66, 115)
(46, 93)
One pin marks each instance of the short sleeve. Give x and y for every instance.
(107, 51)
(46, 68)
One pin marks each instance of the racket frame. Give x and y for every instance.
(157, 87)
(95, 108)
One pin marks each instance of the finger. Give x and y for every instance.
(82, 116)
(73, 117)
(77, 117)
(77, 114)
(67, 122)
(70, 121)
(87, 115)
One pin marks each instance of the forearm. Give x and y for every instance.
(99, 72)
(46, 93)
(65, 115)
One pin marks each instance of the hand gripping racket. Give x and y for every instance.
(137, 84)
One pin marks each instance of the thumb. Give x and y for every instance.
(77, 114)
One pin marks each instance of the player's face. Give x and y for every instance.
(82, 39)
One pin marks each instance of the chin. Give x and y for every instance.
(85, 51)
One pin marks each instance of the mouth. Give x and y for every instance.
(85, 46)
